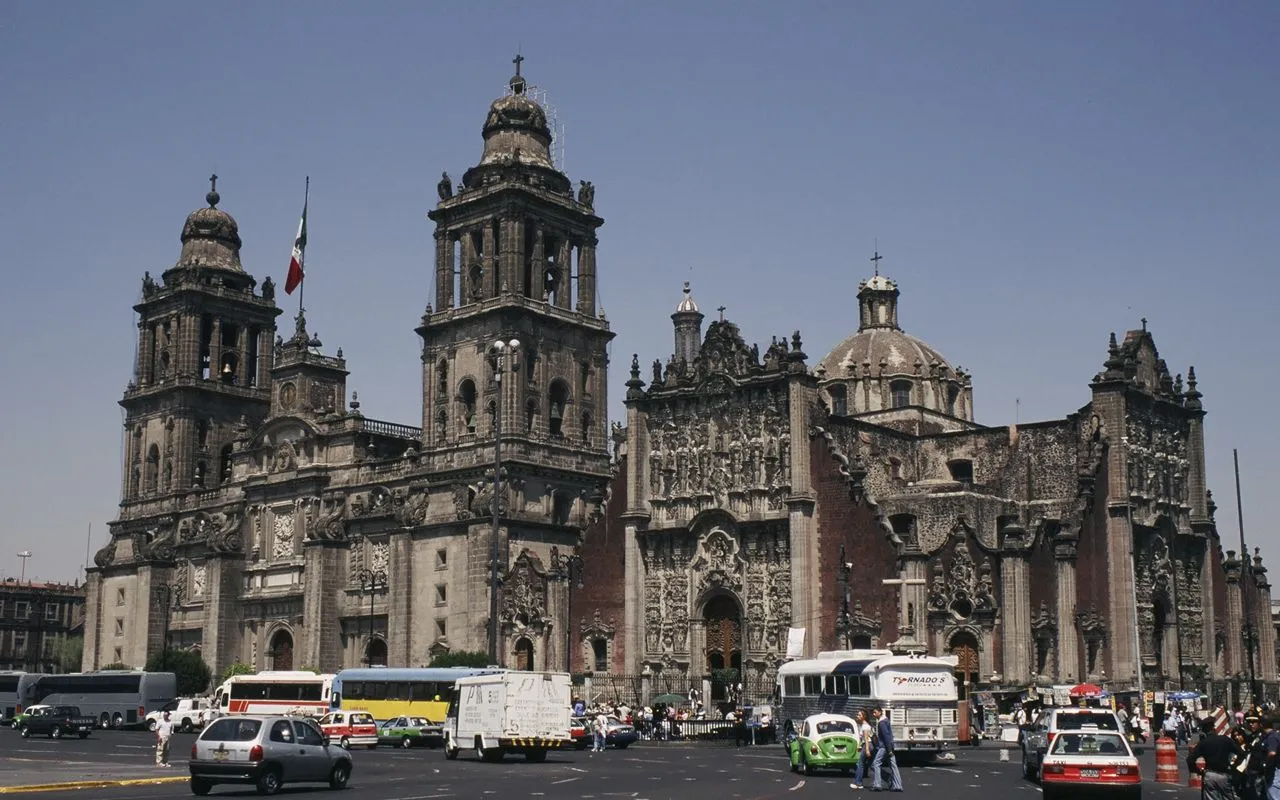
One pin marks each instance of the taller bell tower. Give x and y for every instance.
(515, 261)
(203, 364)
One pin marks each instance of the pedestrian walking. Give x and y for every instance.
(884, 752)
(164, 732)
(1221, 754)
(864, 750)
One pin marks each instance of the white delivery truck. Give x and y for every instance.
(509, 712)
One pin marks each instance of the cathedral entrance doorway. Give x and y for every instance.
(524, 654)
(722, 619)
(964, 646)
(281, 653)
(375, 654)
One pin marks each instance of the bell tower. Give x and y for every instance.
(203, 363)
(516, 259)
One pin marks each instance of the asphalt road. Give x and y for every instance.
(646, 771)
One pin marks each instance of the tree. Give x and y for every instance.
(238, 668)
(116, 665)
(461, 658)
(189, 667)
(70, 652)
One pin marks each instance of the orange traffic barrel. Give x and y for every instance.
(1194, 781)
(1166, 760)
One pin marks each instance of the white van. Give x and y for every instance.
(186, 713)
(509, 712)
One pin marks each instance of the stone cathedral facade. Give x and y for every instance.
(748, 495)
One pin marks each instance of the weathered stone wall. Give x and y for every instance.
(603, 595)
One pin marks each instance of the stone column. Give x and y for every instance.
(508, 255)
(1065, 552)
(319, 641)
(587, 278)
(266, 357)
(538, 265)
(801, 508)
(1264, 624)
(215, 350)
(221, 640)
(491, 279)
(444, 269)
(1236, 656)
(146, 353)
(1015, 614)
(1209, 626)
(90, 658)
(399, 597)
(242, 357)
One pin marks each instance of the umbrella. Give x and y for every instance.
(1086, 690)
(670, 700)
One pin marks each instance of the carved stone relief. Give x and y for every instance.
(380, 557)
(524, 595)
(282, 544)
(198, 574)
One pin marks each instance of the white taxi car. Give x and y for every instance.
(1083, 763)
(350, 729)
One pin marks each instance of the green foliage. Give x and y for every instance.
(115, 666)
(238, 668)
(189, 667)
(70, 651)
(461, 658)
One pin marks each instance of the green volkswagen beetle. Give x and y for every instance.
(411, 732)
(824, 741)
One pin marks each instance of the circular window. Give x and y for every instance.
(962, 608)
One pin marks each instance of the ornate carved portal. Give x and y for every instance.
(723, 619)
(964, 646)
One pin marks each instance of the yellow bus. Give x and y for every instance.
(389, 692)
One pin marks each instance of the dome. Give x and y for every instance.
(899, 352)
(516, 130)
(211, 238)
(687, 304)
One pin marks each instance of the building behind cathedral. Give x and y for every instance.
(747, 495)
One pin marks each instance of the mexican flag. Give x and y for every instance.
(299, 248)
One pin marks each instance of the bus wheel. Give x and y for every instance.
(117, 722)
(104, 721)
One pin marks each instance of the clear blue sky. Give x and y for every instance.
(1036, 175)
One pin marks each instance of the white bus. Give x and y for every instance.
(276, 692)
(917, 693)
(15, 691)
(118, 698)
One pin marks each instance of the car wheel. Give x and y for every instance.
(269, 783)
(405, 744)
(340, 775)
(200, 786)
(151, 725)
(345, 743)
(55, 732)
(186, 726)
(26, 732)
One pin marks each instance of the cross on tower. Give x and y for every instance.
(875, 261)
(213, 183)
(1144, 324)
(517, 61)
(721, 310)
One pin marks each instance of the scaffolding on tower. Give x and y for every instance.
(539, 95)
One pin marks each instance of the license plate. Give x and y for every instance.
(1089, 773)
(219, 755)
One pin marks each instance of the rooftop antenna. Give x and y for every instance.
(24, 555)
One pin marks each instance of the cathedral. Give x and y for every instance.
(753, 505)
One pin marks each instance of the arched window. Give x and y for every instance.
(524, 654)
(467, 399)
(202, 434)
(227, 370)
(839, 400)
(375, 654)
(600, 655)
(280, 656)
(900, 392)
(961, 470)
(153, 469)
(559, 399)
(224, 463)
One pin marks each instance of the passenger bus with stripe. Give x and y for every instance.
(918, 693)
(275, 692)
(389, 692)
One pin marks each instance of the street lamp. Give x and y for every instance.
(500, 349)
(169, 597)
(570, 569)
(371, 581)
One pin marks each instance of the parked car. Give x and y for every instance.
(618, 733)
(349, 728)
(1038, 736)
(1088, 762)
(266, 752)
(411, 732)
(56, 722)
(824, 741)
(186, 713)
(580, 733)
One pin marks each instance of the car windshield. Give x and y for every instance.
(231, 729)
(834, 726)
(1101, 720)
(361, 719)
(420, 721)
(1107, 744)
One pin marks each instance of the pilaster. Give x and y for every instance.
(90, 658)
(587, 278)
(444, 269)
(1236, 663)
(399, 596)
(221, 638)
(1068, 645)
(1015, 608)
(320, 641)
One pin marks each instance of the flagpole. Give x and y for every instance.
(302, 287)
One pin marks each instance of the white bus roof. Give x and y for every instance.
(855, 662)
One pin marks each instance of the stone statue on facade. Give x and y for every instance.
(587, 193)
(445, 187)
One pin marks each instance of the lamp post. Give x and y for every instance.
(168, 597)
(371, 581)
(570, 569)
(500, 349)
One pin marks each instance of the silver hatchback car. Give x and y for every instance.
(267, 752)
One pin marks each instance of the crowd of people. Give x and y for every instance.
(1240, 764)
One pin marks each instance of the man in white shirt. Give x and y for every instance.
(164, 732)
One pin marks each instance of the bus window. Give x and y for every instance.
(791, 686)
(375, 691)
(421, 690)
(354, 690)
(813, 685)
(835, 684)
